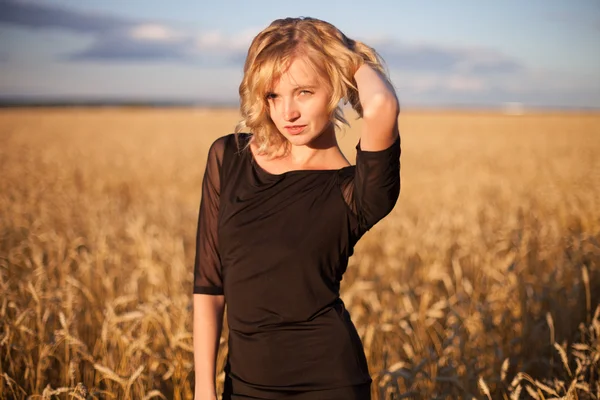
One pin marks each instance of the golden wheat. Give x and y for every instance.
(482, 283)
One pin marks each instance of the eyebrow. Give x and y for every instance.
(297, 88)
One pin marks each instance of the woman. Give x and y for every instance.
(281, 211)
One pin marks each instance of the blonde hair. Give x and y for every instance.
(333, 55)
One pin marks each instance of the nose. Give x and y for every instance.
(290, 111)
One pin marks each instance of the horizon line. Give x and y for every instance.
(19, 101)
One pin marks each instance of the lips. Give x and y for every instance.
(295, 129)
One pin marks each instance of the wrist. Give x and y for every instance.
(205, 387)
(203, 393)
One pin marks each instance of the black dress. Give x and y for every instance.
(277, 246)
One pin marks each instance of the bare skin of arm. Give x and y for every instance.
(207, 326)
(380, 109)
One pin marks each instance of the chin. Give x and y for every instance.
(300, 140)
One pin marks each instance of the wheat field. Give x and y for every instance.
(482, 283)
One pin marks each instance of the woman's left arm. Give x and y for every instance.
(380, 109)
(376, 183)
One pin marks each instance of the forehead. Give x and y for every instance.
(298, 73)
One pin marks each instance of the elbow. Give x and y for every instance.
(382, 105)
(388, 200)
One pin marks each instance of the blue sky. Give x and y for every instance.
(469, 52)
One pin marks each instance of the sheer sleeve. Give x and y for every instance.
(373, 191)
(207, 263)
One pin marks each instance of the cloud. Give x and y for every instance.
(139, 42)
(117, 39)
(154, 32)
(589, 20)
(124, 39)
(447, 72)
(43, 16)
(224, 50)
(530, 86)
(114, 38)
(159, 42)
(127, 47)
(444, 59)
(213, 40)
(425, 83)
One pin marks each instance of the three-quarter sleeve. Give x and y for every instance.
(207, 263)
(373, 191)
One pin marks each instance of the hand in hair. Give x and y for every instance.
(375, 82)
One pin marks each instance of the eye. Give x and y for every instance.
(270, 96)
(305, 92)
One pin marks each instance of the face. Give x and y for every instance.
(298, 104)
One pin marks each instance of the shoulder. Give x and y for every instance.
(236, 141)
(230, 143)
(221, 142)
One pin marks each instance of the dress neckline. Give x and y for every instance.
(258, 167)
(294, 171)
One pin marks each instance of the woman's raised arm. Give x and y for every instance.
(380, 109)
(375, 188)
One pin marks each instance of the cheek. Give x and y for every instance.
(272, 111)
(320, 111)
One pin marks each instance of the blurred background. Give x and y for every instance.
(439, 54)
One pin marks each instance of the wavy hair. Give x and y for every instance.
(334, 56)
